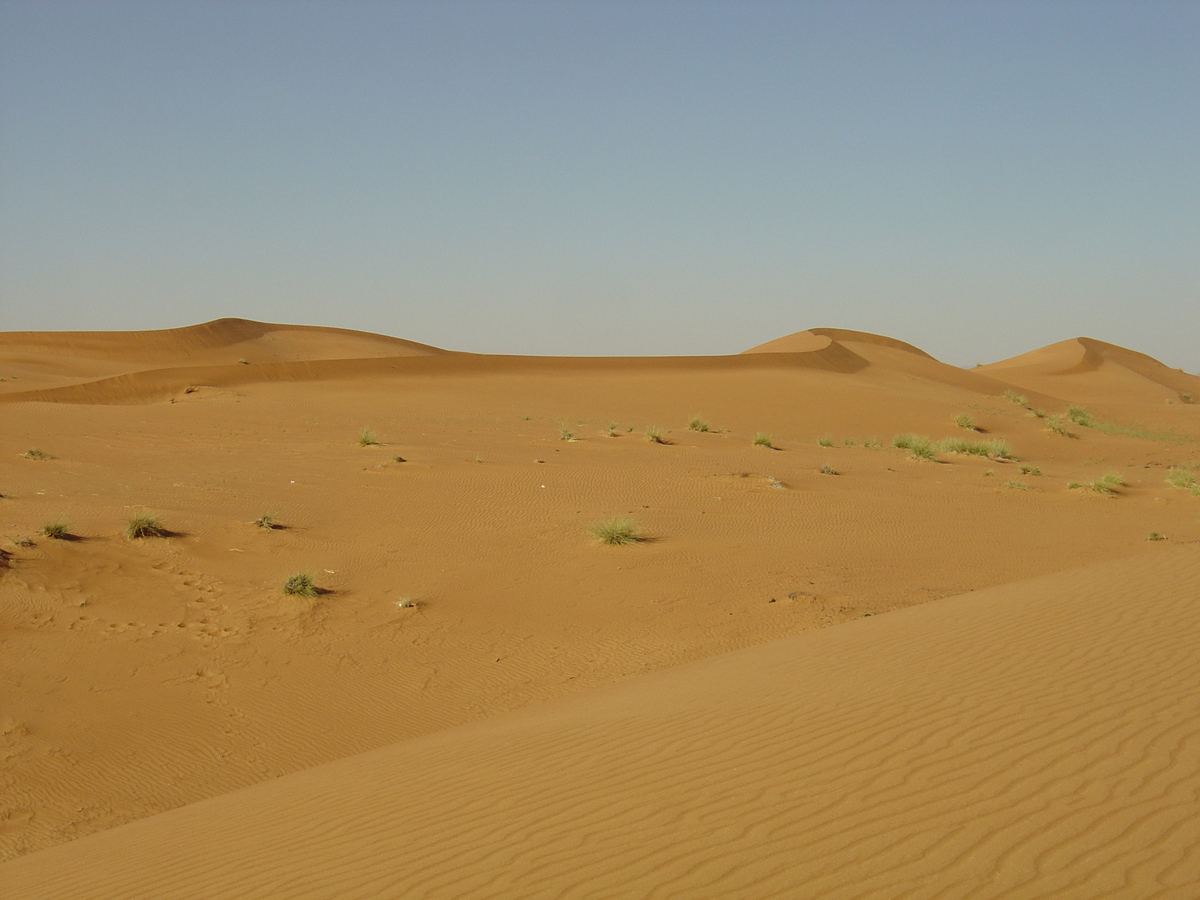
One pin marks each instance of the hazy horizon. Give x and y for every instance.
(608, 178)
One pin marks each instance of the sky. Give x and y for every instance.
(608, 178)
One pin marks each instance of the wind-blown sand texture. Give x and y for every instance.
(466, 689)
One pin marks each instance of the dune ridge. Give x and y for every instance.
(1031, 740)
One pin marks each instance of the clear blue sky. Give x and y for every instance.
(596, 178)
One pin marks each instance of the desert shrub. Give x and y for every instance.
(367, 438)
(997, 449)
(919, 447)
(1072, 485)
(763, 440)
(1038, 413)
(872, 443)
(1014, 397)
(695, 423)
(300, 585)
(615, 532)
(1056, 425)
(1030, 470)
(828, 470)
(1181, 478)
(1080, 416)
(655, 435)
(59, 530)
(611, 430)
(267, 521)
(145, 525)
(1106, 484)
(825, 440)
(36, 453)
(848, 442)
(565, 433)
(1155, 536)
(962, 420)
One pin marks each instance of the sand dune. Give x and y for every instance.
(1038, 739)
(1094, 370)
(140, 676)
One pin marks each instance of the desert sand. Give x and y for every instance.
(829, 668)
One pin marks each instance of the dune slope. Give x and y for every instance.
(1033, 740)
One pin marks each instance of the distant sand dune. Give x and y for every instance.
(1034, 740)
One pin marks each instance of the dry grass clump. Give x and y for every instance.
(1016, 485)
(615, 532)
(919, 447)
(872, 443)
(1155, 536)
(1105, 484)
(1056, 425)
(611, 430)
(1181, 478)
(825, 440)
(1014, 397)
(763, 440)
(1030, 470)
(300, 585)
(144, 525)
(962, 420)
(565, 433)
(367, 438)
(695, 423)
(36, 453)
(655, 435)
(59, 530)
(828, 470)
(1080, 416)
(267, 522)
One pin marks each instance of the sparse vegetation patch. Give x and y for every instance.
(300, 585)
(919, 447)
(1030, 470)
(962, 420)
(36, 453)
(144, 525)
(825, 440)
(59, 530)
(695, 423)
(1014, 397)
(615, 532)
(763, 440)
(1181, 478)
(267, 521)
(367, 438)
(655, 435)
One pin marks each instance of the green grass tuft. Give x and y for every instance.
(919, 447)
(267, 521)
(1155, 536)
(1056, 425)
(36, 453)
(58, 530)
(962, 420)
(1183, 479)
(611, 430)
(145, 525)
(825, 440)
(695, 423)
(565, 433)
(872, 443)
(828, 470)
(1016, 485)
(615, 532)
(655, 435)
(1014, 397)
(300, 585)
(1080, 416)
(1106, 484)
(1030, 470)
(367, 438)
(763, 440)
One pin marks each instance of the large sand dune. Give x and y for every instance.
(1038, 739)
(141, 676)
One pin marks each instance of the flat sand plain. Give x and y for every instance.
(895, 677)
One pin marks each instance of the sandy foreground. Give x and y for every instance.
(892, 678)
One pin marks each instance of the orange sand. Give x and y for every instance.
(1026, 740)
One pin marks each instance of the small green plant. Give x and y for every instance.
(919, 447)
(872, 443)
(1014, 397)
(1155, 536)
(989, 473)
(611, 431)
(615, 532)
(1056, 425)
(144, 525)
(565, 433)
(997, 449)
(1016, 485)
(1180, 478)
(828, 470)
(36, 453)
(300, 585)
(1038, 413)
(267, 521)
(848, 442)
(763, 440)
(962, 420)
(1073, 485)
(1080, 416)
(59, 530)
(1187, 398)
(367, 438)
(825, 440)
(655, 435)
(1030, 470)
(1106, 484)
(695, 423)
